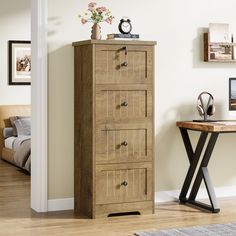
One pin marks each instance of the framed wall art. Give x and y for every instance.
(232, 93)
(19, 62)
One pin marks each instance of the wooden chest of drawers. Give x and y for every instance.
(114, 168)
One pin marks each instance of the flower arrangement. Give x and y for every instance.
(96, 14)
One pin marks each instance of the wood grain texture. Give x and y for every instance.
(206, 47)
(111, 99)
(83, 137)
(113, 127)
(123, 144)
(109, 66)
(16, 218)
(221, 126)
(122, 183)
(114, 42)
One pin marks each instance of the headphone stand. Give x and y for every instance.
(205, 120)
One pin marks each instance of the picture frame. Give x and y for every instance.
(19, 52)
(232, 94)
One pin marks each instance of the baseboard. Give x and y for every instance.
(173, 195)
(162, 196)
(61, 204)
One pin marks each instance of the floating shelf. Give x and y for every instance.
(213, 51)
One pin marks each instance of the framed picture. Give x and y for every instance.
(19, 62)
(232, 93)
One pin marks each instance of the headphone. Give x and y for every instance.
(207, 110)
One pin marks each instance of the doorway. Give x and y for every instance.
(15, 99)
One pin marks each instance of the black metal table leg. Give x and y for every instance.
(202, 171)
(193, 158)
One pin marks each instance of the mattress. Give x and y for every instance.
(9, 142)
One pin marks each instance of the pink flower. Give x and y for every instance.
(101, 9)
(91, 6)
(83, 21)
(109, 20)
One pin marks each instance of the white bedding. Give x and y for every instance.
(19, 140)
(14, 142)
(9, 142)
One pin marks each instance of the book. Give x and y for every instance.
(221, 52)
(123, 36)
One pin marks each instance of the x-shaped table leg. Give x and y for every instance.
(202, 173)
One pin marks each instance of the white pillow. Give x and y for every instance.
(23, 127)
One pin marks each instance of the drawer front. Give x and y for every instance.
(116, 64)
(114, 103)
(123, 144)
(123, 183)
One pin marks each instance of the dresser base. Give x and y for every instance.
(102, 211)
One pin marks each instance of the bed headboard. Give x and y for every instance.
(7, 111)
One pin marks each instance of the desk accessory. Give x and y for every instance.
(96, 14)
(125, 29)
(123, 36)
(125, 26)
(205, 109)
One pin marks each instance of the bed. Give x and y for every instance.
(19, 153)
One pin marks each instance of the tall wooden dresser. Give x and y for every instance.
(114, 127)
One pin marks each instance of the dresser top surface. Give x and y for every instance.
(114, 42)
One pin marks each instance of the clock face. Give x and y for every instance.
(125, 26)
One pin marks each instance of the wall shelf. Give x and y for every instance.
(218, 52)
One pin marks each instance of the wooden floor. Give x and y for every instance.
(16, 218)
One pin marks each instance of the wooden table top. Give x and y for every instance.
(218, 126)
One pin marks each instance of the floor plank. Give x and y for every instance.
(16, 218)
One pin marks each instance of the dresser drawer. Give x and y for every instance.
(115, 64)
(123, 183)
(122, 102)
(123, 143)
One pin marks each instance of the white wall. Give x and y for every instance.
(181, 75)
(14, 25)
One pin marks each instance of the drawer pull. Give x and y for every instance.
(125, 143)
(124, 104)
(124, 183)
(124, 64)
(125, 49)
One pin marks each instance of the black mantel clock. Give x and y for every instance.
(125, 26)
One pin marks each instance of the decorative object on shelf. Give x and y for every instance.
(219, 33)
(123, 36)
(19, 62)
(96, 31)
(125, 26)
(205, 105)
(232, 94)
(96, 14)
(219, 44)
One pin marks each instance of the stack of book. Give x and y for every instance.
(123, 36)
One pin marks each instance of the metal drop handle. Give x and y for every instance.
(124, 64)
(125, 49)
(124, 104)
(124, 183)
(125, 143)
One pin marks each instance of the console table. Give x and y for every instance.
(205, 128)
